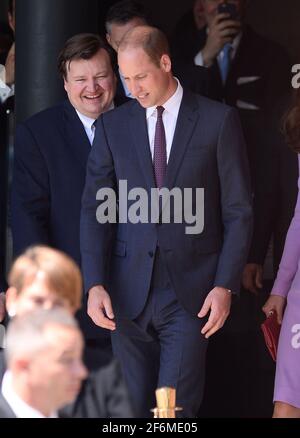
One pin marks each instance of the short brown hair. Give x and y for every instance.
(81, 46)
(152, 40)
(61, 273)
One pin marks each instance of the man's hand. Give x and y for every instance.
(99, 308)
(218, 301)
(2, 306)
(10, 66)
(277, 303)
(222, 31)
(252, 277)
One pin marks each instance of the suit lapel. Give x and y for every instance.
(186, 121)
(75, 134)
(139, 133)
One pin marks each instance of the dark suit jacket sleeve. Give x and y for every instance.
(236, 202)
(96, 238)
(30, 193)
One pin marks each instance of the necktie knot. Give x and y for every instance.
(160, 110)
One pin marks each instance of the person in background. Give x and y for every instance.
(285, 298)
(51, 151)
(121, 17)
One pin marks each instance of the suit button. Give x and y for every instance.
(151, 254)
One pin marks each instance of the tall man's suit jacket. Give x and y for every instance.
(207, 152)
(51, 151)
(258, 78)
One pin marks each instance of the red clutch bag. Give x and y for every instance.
(271, 330)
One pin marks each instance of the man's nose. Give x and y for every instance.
(93, 85)
(134, 88)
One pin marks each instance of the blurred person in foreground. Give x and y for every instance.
(46, 278)
(44, 364)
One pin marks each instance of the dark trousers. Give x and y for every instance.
(162, 347)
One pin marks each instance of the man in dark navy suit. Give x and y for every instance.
(161, 288)
(51, 152)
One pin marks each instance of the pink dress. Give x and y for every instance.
(287, 284)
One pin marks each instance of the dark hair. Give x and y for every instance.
(81, 46)
(152, 40)
(291, 124)
(124, 11)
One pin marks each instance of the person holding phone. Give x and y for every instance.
(224, 22)
(251, 73)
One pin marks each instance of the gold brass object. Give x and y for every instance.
(166, 403)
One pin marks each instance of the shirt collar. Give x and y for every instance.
(88, 121)
(19, 407)
(171, 105)
(236, 42)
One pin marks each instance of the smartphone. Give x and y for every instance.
(229, 8)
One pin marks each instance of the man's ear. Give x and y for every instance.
(165, 63)
(65, 84)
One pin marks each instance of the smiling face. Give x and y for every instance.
(150, 84)
(91, 84)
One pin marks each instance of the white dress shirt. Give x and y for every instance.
(198, 60)
(169, 117)
(88, 124)
(18, 406)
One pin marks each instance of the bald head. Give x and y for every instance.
(150, 39)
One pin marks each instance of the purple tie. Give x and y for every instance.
(160, 153)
